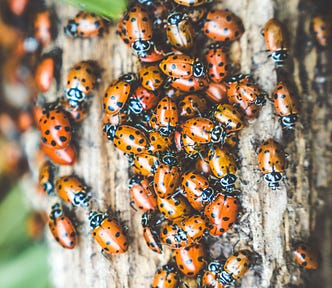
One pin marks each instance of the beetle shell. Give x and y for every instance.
(142, 194)
(158, 142)
(192, 105)
(238, 264)
(166, 180)
(44, 74)
(306, 257)
(216, 92)
(142, 100)
(66, 156)
(321, 28)
(145, 164)
(174, 207)
(217, 63)
(230, 118)
(167, 116)
(151, 77)
(150, 235)
(191, 84)
(165, 277)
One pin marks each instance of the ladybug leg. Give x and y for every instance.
(106, 254)
(132, 206)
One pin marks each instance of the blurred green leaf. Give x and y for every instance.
(29, 269)
(109, 8)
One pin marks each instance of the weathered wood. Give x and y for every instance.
(271, 221)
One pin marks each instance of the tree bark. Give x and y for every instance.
(271, 221)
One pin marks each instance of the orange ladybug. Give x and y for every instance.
(42, 27)
(166, 180)
(44, 74)
(46, 177)
(166, 277)
(174, 207)
(141, 193)
(275, 41)
(321, 28)
(145, 164)
(217, 63)
(286, 105)
(72, 190)
(62, 228)
(211, 276)
(192, 105)
(306, 256)
(108, 233)
(150, 234)
(151, 77)
(272, 162)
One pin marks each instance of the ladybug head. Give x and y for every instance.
(109, 130)
(218, 134)
(75, 96)
(226, 279)
(208, 194)
(273, 179)
(174, 18)
(260, 100)
(71, 28)
(142, 48)
(169, 268)
(128, 77)
(95, 219)
(289, 121)
(82, 199)
(169, 159)
(135, 106)
(279, 57)
(215, 267)
(227, 182)
(198, 69)
(56, 211)
(135, 180)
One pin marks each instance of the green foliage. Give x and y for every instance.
(109, 8)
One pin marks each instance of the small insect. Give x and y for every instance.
(166, 180)
(276, 41)
(321, 28)
(272, 162)
(142, 101)
(46, 177)
(217, 62)
(72, 190)
(42, 27)
(286, 104)
(150, 234)
(108, 233)
(85, 25)
(62, 228)
(211, 276)
(166, 277)
(141, 193)
(306, 256)
(44, 74)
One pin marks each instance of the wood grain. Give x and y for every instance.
(271, 221)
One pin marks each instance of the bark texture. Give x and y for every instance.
(271, 221)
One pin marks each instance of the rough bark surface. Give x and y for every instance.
(271, 221)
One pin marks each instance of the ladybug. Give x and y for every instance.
(203, 130)
(211, 275)
(108, 233)
(192, 105)
(321, 28)
(229, 117)
(174, 206)
(286, 105)
(272, 162)
(66, 156)
(118, 92)
(141, 193)
(223, 25)
(44, 74)
(127, 138)
(241, 88)
(150, 235)
(221, 213)
(275, 41)
(180, 31)
(138, 30)
(142, 100)
(216, 92)
(55, 127)
(72, 190)
(158, 142)
(46, 177)
(190, 147)
(151, 77)
(191, 84)
(191, 260)
(167, 116)
(42, 27)
(85, 25)
(223, 166)
(81, 79)
(62, 228)
(217, 63)
(197, 189)
(182, 66)
(166, 180)
(306, 256)
(190, 3)
(182, 232)
(166, 277)
(145, 164)
(235, 267)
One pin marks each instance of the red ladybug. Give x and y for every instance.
(191, 260)
(85, 25)
(192, 105)
(66, 156)
(180, 31)
(150, 233)
(72, 190)
(137, 28)
(108, 233)
(145, 164)
(184, 231)
(166, 180)
(62, 228)
(223, 166)
(46, 177)
(118, 92)
(275, 41)
(223, 25)
(306, 256)
(81, 79)
(182, 66)
(127, 138)
(43, 27)
(221, 213)
(142, 194)
(166, 277)
(217, 63)
(321, 28)
(142, 100)
(44, 74)
(197, 189)
(272, 162)
(55, 127)
(151, 77)
(174, 206)
(286, 104)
